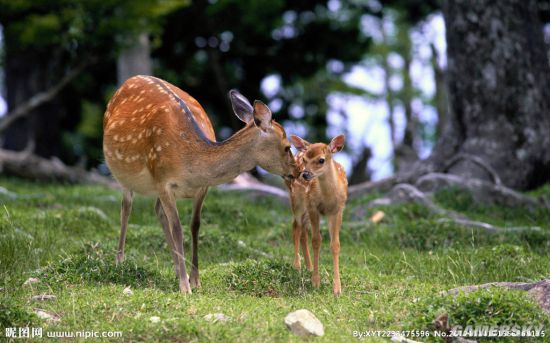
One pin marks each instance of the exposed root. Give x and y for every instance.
(482, 191)
(477, 160)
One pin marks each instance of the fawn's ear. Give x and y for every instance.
(337, 143)
(262, 115)
(299, 143)
(241, 106)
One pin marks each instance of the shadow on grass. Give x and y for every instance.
(272, 278)
(96, 266)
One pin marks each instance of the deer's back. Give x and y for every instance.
(152, 130)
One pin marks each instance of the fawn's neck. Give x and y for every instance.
(328, 182)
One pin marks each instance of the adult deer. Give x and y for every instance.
(159, 141)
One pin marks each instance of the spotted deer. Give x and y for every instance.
(322, 190)
(159, 141)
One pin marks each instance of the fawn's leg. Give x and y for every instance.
(167, 234)
(335, 221)
(316, 243)
(125, 210)
(194, 280)
(168, 202)
(296, 230)
(305, 246)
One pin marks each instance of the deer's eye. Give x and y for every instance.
(287, 148)
(321, 160)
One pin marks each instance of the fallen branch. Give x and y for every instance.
(23, 109)
(383, 185)
(540, 290)
(30, 166)
(247, 183)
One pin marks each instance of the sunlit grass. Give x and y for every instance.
(392, 273)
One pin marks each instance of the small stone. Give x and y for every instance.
(154, 319)
(377, 217)
(216, 317)
(43, 297)
(31, 281)
(304, 323)
(46, 315)
(127, 291)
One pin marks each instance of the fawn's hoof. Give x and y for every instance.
(296, 264)
(316, 281)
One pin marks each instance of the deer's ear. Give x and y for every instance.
(262, 115)
(299, 143)
(337, 143)
(241, 106)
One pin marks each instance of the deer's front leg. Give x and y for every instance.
(296, 232)
(168, 202)
(167, 234)
(305, 246)
(316, 243)
(335, 221)
(125, 210)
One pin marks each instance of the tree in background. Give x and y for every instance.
(45, 40)
(499, 86)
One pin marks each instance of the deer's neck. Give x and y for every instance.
(221, 162)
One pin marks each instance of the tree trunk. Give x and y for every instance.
(26, 75)
(499, 92)
(135, 60)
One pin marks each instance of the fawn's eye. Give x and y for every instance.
(321, 160)
(287, 148)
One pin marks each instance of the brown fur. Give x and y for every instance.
(158, 140)
(324, 195)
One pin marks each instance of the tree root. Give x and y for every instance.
(482, 191)
(540, 290)
(476, 160)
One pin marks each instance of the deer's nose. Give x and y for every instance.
(307, 175)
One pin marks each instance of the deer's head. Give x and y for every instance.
(317, 158)
(271, 148)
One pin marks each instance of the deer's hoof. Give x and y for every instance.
(119, 258)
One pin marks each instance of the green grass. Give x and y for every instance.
(392, 273)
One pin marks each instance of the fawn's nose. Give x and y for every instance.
(307, 175)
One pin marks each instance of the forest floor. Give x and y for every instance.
(393, 272)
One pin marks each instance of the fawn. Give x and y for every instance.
(322, 190)
(159, 141)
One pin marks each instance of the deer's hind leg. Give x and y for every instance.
(125, 210)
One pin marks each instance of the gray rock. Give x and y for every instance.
(46, 315)
(43, 297)
(304, 323)
(216, 317)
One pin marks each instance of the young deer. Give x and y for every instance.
(322, 190)
(159, 141)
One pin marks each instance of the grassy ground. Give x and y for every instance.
(392, 272)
